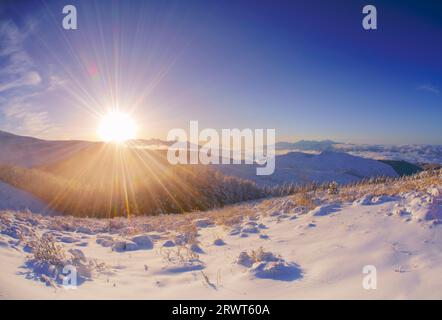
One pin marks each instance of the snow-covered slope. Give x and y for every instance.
(298, 167)
(305, 246)
(15, 199)
(30, 152)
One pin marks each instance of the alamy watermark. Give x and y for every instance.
(370, 281)
(70, 19)
(233, 146)
(369, 21)
(69, 273)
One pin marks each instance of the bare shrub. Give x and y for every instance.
(304, 199)
(45, 249)
(258, 254)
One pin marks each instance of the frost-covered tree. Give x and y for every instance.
(333, 188)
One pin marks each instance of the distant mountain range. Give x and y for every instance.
(312, 161)
(306, 145)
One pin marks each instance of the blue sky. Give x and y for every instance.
(306, 68)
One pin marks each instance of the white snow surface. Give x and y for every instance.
(270, 249)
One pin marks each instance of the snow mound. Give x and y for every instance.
(363, 201)
(139, 242)
(143, 242)
(17, 231)
(54, 266)
(424, 207)
(124, 245)
(400, 211)
(382, 199)
(326, 209)
(277, 270)
(266, 265)
(368, 200)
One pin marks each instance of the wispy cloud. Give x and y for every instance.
(31, 78)
(429, 88)
(11, 38)
(18, 81)
(17, 63)
(21, 120)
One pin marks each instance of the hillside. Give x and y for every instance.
(107, 181)
(403, 168)
(30, 152)
(15, 199)
(309, 245)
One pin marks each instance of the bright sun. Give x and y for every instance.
(117, 127)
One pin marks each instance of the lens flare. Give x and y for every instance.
(117, 127)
